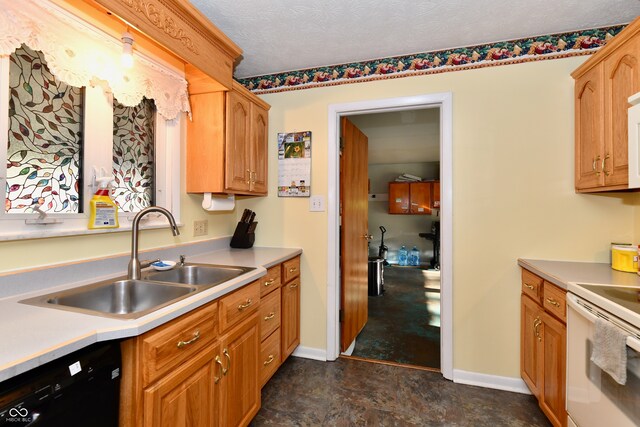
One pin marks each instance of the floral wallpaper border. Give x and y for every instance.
(583, 42)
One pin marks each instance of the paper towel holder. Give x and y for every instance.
(225, 202)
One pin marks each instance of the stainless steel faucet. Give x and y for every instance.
(133, 272)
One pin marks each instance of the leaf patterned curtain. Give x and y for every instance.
(133, 155)
(45, 138)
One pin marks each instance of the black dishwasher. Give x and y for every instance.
(77, 390)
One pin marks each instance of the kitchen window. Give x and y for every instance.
(56, 139)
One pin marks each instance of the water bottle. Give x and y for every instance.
(402, 256)
(414, 258)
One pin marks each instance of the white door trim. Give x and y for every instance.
(336, 111)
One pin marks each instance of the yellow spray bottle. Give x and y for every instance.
(104, 211)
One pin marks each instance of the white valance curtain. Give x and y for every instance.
(81, 55)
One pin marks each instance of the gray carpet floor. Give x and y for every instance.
(404, 322)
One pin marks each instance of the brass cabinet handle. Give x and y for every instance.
(269, 282)
(293, 270)
(196, 337)
(595, 161)
(553, 302)
(536, 324)
(529, 286)
(245, 305)
(367, 236)
(249, 180)
(226, 354)
(270, 316)
(269, 360)
(254, 176)
(293, 285)
(606, 172)
(218, 362)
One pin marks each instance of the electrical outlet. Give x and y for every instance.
(316, 204)
(200, 228)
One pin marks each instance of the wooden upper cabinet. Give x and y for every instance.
(413, 198)
(603, 85)
(227, 143)
(237, 159)
(589, 136)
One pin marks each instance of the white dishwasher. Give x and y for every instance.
(594, 399)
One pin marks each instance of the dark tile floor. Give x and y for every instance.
(351, 392)
(404, 322)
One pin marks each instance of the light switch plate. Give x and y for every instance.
(316, 204)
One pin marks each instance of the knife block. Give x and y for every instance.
(244, 236)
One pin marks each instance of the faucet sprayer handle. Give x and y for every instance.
(182, 259)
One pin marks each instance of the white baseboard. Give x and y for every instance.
(516, 385)
(310, 353)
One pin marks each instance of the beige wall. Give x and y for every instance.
(513, 196)
(17, 255)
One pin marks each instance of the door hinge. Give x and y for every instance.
(341, 145)
(341, 316)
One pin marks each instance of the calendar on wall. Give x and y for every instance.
(294, 164)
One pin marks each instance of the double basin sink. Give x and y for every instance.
(130, 299)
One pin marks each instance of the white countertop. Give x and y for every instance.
(32, 336)
(562, 273)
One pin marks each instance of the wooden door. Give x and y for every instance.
(237, 154)
(622, 79)
(531, 344)
(589, 127)
(240, 391)
(398, 197)
(553, 385)
(259, 145)
(290, 317)
(353, 232)
(188, 396)
(420, 198)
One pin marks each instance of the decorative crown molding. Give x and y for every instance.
(583, 42)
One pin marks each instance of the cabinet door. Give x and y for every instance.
(237, 154)
(420, 197)
(531, 344)
(259, 148)
(589, 128)
(554, 340)
(435, 194)
(240, 392)
(398, 197)
(621, 80)
(188, 396)
(290, 322)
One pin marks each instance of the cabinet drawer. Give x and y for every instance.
(269, 314)
(167, 347)
(271, 281)
(531, 285)
(269, 357)
(290, 269)
(239, 305)
(554, 301)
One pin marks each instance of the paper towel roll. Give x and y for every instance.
(218, 203)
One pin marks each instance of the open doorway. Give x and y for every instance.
(443, 101)
(403, 324)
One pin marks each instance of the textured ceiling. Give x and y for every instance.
(283, 35)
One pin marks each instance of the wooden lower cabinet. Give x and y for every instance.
(185, 397)
(240, 388)
(554, 370)
(543, 348)
(290, 317)
(206, 368)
